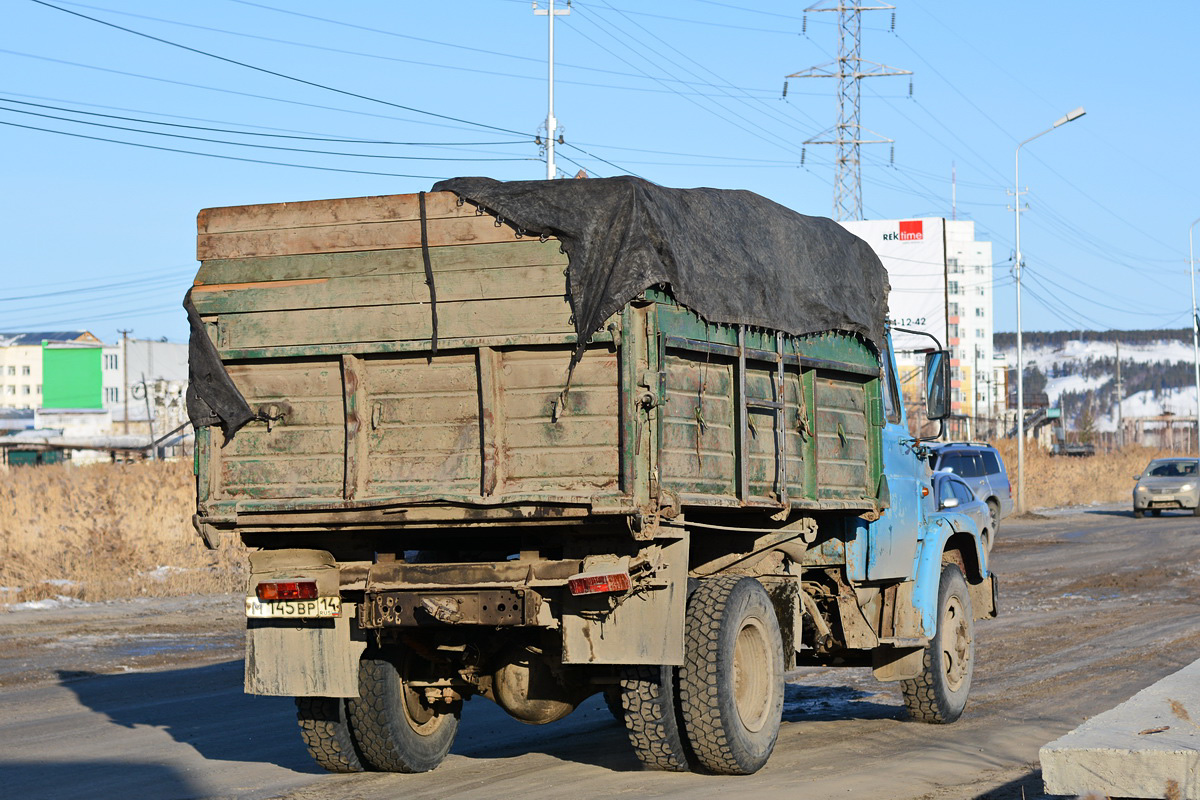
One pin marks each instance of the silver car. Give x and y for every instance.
(1168, 483)
(952, 493)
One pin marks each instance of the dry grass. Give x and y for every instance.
(1064, 480)
(111, 530)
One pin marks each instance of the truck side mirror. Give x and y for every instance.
(937, 384)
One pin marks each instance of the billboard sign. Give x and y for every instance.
(914, 253)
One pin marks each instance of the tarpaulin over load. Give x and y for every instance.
(732, 256)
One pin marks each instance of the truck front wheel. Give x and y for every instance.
(395, 728)
(731, 681)
(326, 733)
(939, 693)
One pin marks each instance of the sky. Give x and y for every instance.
(113, 141)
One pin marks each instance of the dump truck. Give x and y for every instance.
(537, 441)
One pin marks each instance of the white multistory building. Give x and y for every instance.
(971, 318)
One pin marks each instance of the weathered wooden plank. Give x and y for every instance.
(344, 238)
(285, 472)
(444, 437)
(563, 467)
(522, 253)
(393, 323)
(272, 380)
(582, 403)
(254, 440)
(405, 289)
(460, 467)
(594, 370)
(357, 421)
(534, 434)
(418, 376)
(492, 425)
(345, 211)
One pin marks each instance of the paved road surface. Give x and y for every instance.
(1094, 606)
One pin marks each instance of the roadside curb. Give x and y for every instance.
(1148, 746)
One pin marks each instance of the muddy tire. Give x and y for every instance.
(939, 693)
(650, 713)
(1138, 513)
(395, 729)
(994, 513)
(325, 730)
(1196, 511)
(731, 681)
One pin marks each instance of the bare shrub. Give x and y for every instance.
(1065, 480)
(106, 531)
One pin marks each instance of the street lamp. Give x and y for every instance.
(1069, 117)
(1195, 330)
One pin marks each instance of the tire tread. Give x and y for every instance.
(325, 730)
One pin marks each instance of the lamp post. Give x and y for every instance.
(1069, 117)
(1195, 330)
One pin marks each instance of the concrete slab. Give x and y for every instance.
(1147, 747)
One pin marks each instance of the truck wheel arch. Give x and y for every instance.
(939, 545)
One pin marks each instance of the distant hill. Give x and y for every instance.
(1077, 371)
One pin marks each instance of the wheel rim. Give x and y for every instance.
(956, 647)
(420, 717)
(751, 674)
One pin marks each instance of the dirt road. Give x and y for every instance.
(143, 699)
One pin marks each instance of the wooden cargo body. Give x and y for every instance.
(321, 313)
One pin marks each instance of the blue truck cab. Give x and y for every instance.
(912, 581)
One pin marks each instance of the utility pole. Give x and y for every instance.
(125, 372)
(1017, 262)
(551, 123)
(1120, 397)
(849, 68)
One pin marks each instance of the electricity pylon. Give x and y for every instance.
(849, 68)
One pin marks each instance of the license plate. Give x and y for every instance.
(321, 607)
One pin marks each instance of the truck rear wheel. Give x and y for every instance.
(326, 733)
(395, 728)
(939, 693)
(650, 706)
(731, 681)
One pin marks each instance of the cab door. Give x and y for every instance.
(892, 539)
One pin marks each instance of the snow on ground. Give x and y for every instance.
(1071, 383)
(162, 573)
(1077, 351)
(61, 601)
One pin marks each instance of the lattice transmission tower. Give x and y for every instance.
(849, 68)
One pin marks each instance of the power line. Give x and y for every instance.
(307, 138)
(276, 74)
(384, 32)
(247, 144)
(766, 110)
(233, 91)
(215, 155)
(689, 99)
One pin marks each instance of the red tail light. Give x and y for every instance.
(287, 590)
(599, 583)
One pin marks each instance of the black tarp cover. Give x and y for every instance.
(732, 256)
